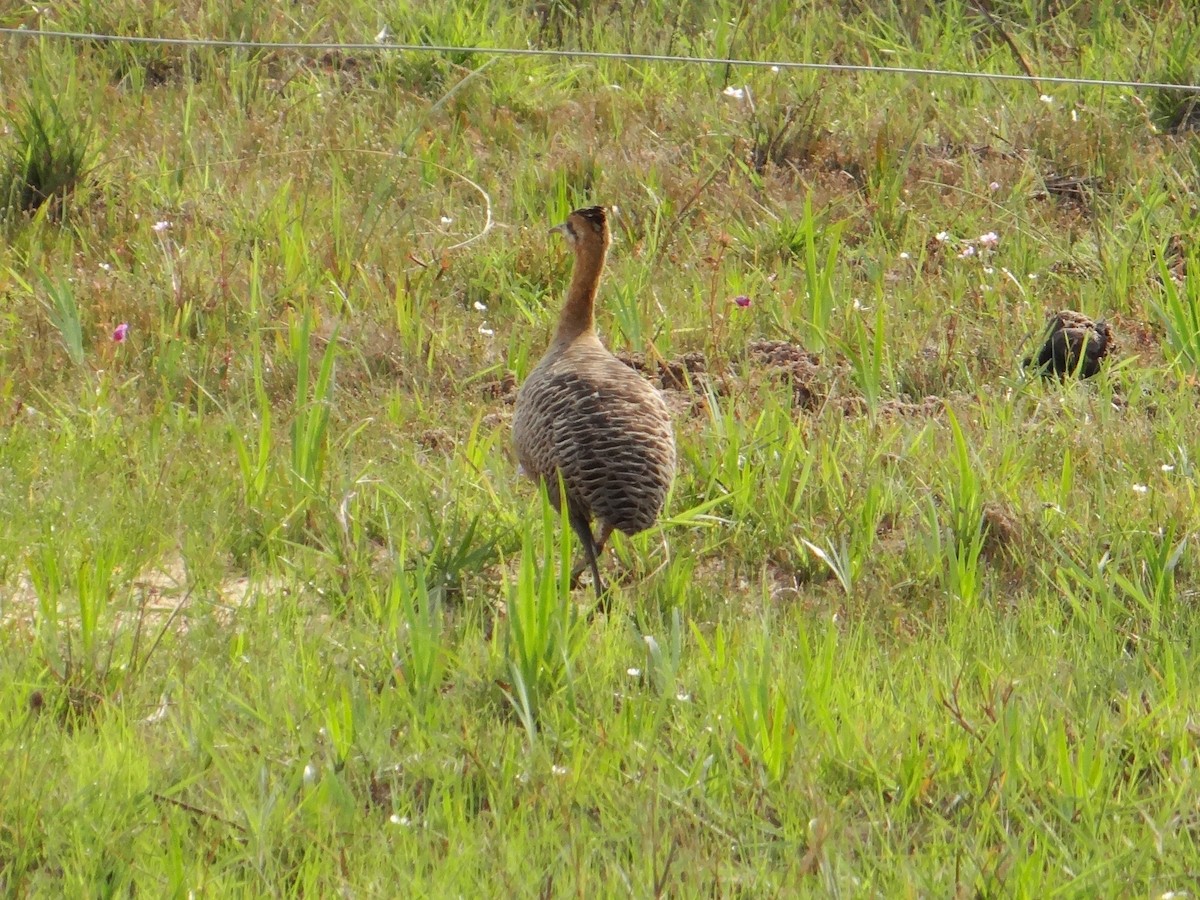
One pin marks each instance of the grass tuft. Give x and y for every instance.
(49, 154)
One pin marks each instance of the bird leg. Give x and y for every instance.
(591, 553)
(601, 540)
(602, 537)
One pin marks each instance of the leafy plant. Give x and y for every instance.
(64, 315)
(763, 721)
(456, 547)
(867, 352)
(420, 654)
(1151, 586)
(957, 552)
(88, 649)
(966, 491)
(50, 154)
(543, 625)
(310, 418)
(789, 136)
(800, 238)
(1176, 111)
(1179, 312)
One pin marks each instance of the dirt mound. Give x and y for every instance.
(816, 384)
(688, 372)
(503, 388)
(438, 440)
(928, 407)
(892, 408)
(1073, 344)
(803, 370)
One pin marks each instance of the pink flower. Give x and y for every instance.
(991, 239)
(120, 333)
(742, 301)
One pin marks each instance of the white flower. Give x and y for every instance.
(160, 226)
(1046, 98)
(397, 819)
(774, 68)
(988, 270)
(106, 267)
(904, 254)
(683, 697)
(310, 774)
(385, 35)
(485, 330)
(481, 307)
(994, 186)
(446, 220)
(736, 93)
(1141, 489)
(942, 236)
(1167, 467)
(559, 770)
(633, 672)
(991, 239)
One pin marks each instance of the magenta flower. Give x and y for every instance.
(742, 301)
(120, 333)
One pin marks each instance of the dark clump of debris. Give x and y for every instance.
(1074, 344)
(1001, 532)
(1070, 190)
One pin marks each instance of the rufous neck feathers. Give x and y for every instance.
(579, 314)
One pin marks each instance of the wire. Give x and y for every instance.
(377, 47)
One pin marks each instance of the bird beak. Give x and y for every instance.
(559, 229)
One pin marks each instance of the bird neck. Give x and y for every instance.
(579, 315)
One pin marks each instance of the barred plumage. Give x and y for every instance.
(586, 417)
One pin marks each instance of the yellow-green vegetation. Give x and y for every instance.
(279, 617)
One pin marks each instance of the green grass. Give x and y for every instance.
(278, 616)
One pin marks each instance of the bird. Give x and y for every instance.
(586, 425)
(1073, 344)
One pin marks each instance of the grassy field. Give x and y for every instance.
(277, 614)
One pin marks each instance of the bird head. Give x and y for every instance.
(585, 227)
